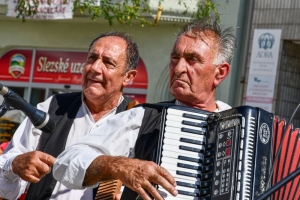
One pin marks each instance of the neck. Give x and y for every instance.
(207, 104)
(211, 107)
(101, 106)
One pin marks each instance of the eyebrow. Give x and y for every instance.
(185, 54)
(91, 53)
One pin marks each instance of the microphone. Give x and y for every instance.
(38, 118)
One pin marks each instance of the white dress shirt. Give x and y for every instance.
(116, 137)
(26, 139)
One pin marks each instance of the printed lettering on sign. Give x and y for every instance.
(59, 67)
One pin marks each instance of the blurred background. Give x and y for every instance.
(265, 70)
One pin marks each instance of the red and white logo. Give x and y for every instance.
(16, 67)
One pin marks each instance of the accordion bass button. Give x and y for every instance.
(242, 144)
(240, 165)
(237, 196)
(241, 155)
(216, 192)
(238, 188)
(209, 146)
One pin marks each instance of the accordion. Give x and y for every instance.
(227, 155)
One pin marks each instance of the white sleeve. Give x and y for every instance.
(116, 136)
(11, 185)
(24, 140)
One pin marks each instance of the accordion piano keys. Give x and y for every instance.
(182, 153)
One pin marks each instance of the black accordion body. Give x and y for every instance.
(215, 156)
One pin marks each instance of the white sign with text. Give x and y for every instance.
(263, 68)
(58, 9)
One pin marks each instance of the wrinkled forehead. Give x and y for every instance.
(197, 39)
(110, 42)
(208, 37)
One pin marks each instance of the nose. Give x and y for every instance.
(180, 66)
(97, 66)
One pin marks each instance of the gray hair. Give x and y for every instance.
(224, 39)
(132, 53)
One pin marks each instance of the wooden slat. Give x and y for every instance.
(107, 190)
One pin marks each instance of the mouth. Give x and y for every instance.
(94, 79)
(94, 82)
(179, 81)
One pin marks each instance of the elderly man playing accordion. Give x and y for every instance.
(199, 62)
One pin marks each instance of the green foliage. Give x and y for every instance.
(204, 9)
(122, 11)
(26, 9)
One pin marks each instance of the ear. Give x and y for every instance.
(129, 76)
(222, 70)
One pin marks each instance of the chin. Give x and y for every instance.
(93, 92)
(178, 91)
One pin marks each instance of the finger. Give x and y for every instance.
(166, 180)
(43, 169)
(143, 194)
(32, 179)
(118, 197)
(167, 175)
(45, 163)
(48, 159)
(34, 175)
(42, 165)
(153, 191)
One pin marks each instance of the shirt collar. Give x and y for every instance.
(87, 111)
(178, 103)
(119, 102)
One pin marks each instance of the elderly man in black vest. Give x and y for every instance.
(199, 62)
(110, 66)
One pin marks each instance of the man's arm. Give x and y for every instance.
(24, 141)
(11, 186)
(136, 174)
(113, 137)
(78, 165)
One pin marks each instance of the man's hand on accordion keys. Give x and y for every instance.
(138, 175)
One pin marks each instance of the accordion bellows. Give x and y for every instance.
(287, 140)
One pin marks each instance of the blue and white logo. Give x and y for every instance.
(256, 79)
(266, 41)
(264, 133)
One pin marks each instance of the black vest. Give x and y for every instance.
(147, 141)
(63, 109)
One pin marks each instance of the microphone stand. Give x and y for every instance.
(278, 185)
